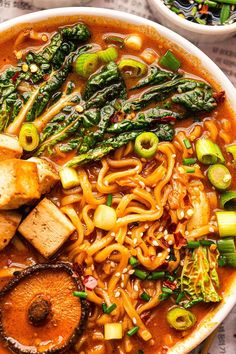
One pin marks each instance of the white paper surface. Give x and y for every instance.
(223, 54)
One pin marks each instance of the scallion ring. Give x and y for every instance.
(219, 176)
(226, 223)
(228, 200)
(132, 68)
(107, 55)
(169, 61)
(29, 137)
(86, 64)
(146, 145)
(180, 318)
(208, 152)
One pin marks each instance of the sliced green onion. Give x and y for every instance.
(208, 152)
(104, 307)
(166, 290)
(219, 176)
(206, 242)
(193, 302)
(132, 68)
(145, 297)
(190, 170)
(163, 296)
(232, 150)
(110, 308)
(69, 177)
(86, 64)
(226, 245)
(228, 200)
(222, 261)
(109, 200)
(146, 144)
(141, 274)
(180, 297)
(107, 55)
(132, 331)
(80, 294)
(169, 61)
(180, 318)
(169, 277)
(187, 144)
(29, 137)
(189, 161)
(193, 244)
(133, 261)
(224, 13)
(231, 259)
(156, 275)
(115, 40)
(226, 223)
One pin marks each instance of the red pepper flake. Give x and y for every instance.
(169, 284)
(15, 76)
(219, 96)
(180, 240)
(204, 9)
(164, 350)
(168, 119)
(90, 282)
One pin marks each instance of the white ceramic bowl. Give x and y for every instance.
(190, 30)
(118, 19)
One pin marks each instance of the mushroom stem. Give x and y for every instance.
(39, 311)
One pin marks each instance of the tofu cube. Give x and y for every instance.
(9, 147)
(19, 183)
(9, 221)
(47, 173)
(46, 228)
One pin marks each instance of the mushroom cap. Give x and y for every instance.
(38, 311)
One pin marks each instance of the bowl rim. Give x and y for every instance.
(214, 318)
(192, 26)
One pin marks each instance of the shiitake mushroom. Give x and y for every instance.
(38, 311)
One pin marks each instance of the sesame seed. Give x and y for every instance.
(134, 320)
(146, 226)
(165, 237)
(141, 234)
(135, 240)
(159, 254)
(154, 185)
(190, 212)
(117, 294)
(92, 266)
(168, 249)
(211, 229)
(122, 284)
(173, 155)
(106, 183)
(181, 214)
(148, 189)
(165, 232)
(113, 234)
(131, 271)
(155, 243)
(170, 242)
(157, 207)
(125, 270)
(142, 184)
(122, 277)
(129, 233)
(186, 233)
(161, 228)
(117, 274)
(136, 288)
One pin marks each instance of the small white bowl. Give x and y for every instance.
(190, 30)
(201, 60)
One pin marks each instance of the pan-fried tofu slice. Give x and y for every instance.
(9, 147)
(48, 175)
(46, 228)
(19, 183)
(9, 221)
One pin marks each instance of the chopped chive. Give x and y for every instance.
(141, 274)
(156, 275)
(111, 308)
(133, 261)
(222, 261)
(144, 296)
(189, 161)
(175, 9)
(187, 144)
(80, 294)
(104, 308)
(132, 331)
(206, 242)
(170, 277)
(190, 170)
(193, 244)
(200, 21)
(166, 290)
(179, 297)
(109, 200)
(226, 245)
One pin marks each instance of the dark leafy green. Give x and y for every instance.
(156, 76)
